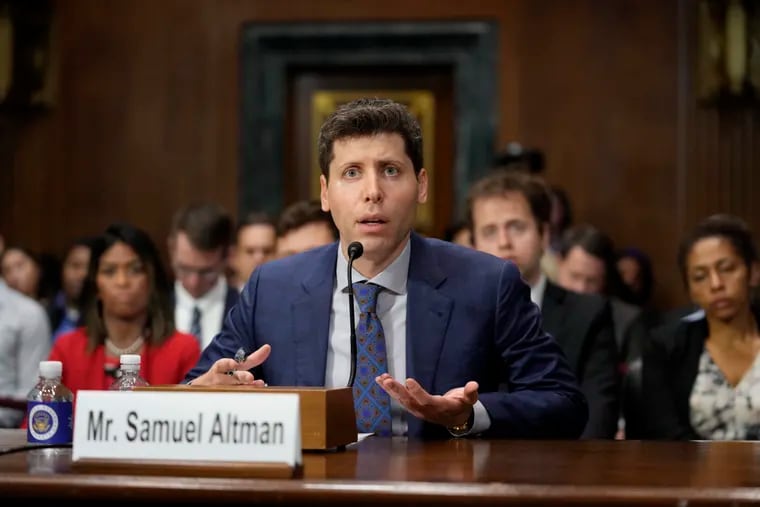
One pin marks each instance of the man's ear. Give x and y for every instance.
(422, 186)
(323, 193)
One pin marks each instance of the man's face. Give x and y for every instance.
(580, 271)
(373, 194)
(198, 271)
(306, 237)
(255, 245)
(504, 226)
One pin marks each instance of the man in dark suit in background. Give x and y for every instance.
(509, 214)
(441, 327)
(199, 244)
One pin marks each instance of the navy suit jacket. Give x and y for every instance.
(469, 317)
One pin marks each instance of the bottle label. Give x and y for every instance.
(49, 422)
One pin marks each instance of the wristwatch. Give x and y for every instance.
(463, 429)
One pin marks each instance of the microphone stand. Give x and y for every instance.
(355, 250)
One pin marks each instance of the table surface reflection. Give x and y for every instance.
(379, 471)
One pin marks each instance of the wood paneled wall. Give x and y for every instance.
(146, 115)
(600, 94)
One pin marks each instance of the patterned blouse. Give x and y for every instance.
(720, 411)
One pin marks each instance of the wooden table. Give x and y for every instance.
(393, 472)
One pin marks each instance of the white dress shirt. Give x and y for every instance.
(537, 291)
(210, 304)
(391, 310)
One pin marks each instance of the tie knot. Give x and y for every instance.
(366, 296)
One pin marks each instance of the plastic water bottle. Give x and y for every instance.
(130, 374)
(49, 407)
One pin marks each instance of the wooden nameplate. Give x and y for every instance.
(328, 419)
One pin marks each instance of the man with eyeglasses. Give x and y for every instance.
(199, 243)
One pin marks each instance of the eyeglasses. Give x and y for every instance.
(207, 274)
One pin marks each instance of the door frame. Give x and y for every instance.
(267, 50)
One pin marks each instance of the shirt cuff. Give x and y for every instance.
(481, 421)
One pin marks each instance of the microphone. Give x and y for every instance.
(355, 250)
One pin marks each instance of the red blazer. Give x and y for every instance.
(164, 364)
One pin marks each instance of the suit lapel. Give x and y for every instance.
(311, 319)
(562, 320)
(230, 299)
(427, 314)
(552, 308)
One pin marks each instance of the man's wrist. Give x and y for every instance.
(460, 430)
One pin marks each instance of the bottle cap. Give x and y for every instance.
(51, 369)
(130, 359)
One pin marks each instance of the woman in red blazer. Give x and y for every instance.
(126, 310)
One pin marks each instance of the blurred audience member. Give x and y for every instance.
(635, 269)
(303, 226)
(21, 270)
(255, 243)
(459, 233)
(24, 342)
(587, 266)
(28, 273)
(701, 375)
(509, 215)
(199, 243)
(127, 310)
(65, 310)
(516, 157)
(637, 276)
(36, 276)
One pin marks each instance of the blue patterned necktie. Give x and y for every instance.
(371, 403)
(195, 324)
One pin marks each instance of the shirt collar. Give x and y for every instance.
(537, 290)
(216, 293)
(392, 278)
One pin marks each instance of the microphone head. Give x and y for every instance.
(355, 250)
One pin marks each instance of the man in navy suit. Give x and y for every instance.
(466, 353)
